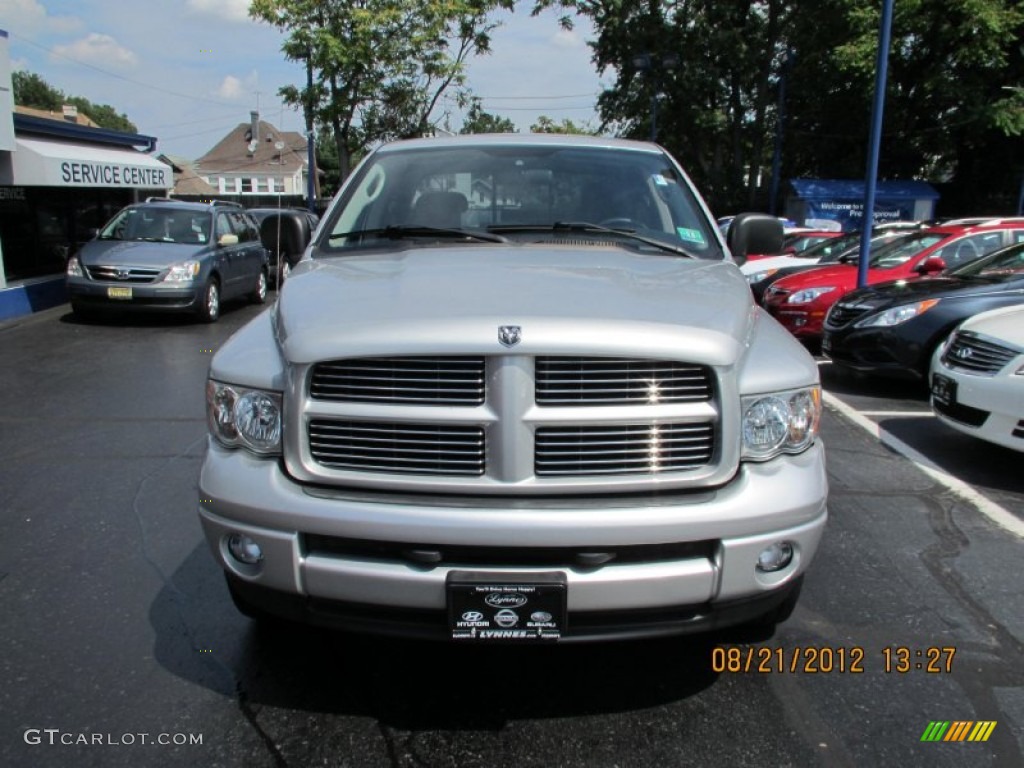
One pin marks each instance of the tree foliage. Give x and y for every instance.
(545, 124)
(949, 116)
(31, 90)
(478, 121)
(379, 67)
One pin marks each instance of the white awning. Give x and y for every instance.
(41, 163)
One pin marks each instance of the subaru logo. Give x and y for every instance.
(540, 616)
(510, 335)
(497, 600)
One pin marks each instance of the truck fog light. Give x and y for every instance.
(776, 557)
(244, 549)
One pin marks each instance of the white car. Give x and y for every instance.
(977, 378)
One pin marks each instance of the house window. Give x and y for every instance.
(262, 185)
(247, 185)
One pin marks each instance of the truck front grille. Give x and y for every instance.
(619, 381)
(970, 352)
(622, 449)
(400, 380)
(423, 449)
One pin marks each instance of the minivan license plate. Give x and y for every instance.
(522, 607)
(119, 292)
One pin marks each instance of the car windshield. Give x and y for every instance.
(522, 192)
(161, 225)
(828, 251)
(903, 249)
(1003, 264)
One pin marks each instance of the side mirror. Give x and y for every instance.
(931, 266)
(753, 233)
(91, 233)
(228, 239)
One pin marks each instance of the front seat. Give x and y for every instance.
(439, 209)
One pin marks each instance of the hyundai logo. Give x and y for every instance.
(472, 616)
(122, 274)
(510, 335)
(498, 600)
(964, 352)
(506, 618)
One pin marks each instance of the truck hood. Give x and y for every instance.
(566, 300)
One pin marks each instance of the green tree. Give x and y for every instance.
(545, 124)
(478, 121)
(379, 67)
(30, 90)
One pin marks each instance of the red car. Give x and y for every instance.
(801, 301)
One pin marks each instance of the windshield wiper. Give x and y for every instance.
(586, 226)
(401, 231)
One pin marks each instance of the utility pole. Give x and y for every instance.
(310, 137)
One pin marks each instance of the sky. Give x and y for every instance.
(188, 71)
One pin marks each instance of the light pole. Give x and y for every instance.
(648, 62)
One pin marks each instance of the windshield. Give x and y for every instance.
(520, 192)
(1003, 264)
(162, 225)
(828, 251)
(902, 250)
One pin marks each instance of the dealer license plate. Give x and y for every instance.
(119, 292)
(492, 607)
(943, 389)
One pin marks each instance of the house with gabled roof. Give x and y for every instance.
(256, 158)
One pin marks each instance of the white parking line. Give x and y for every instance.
(900, 414)
(994, 512)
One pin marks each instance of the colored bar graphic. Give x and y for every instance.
(958, 730)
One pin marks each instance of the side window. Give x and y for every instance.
(223, 226)
(247, 230)
(967, 249)
(1017, 235)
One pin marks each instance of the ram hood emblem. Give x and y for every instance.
(510, 335)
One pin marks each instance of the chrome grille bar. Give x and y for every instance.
(401, 380)
(970, 352)
(123, 274)
(614, 381)
(619, 450)
(429, 449)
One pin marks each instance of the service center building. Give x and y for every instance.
(60, 181)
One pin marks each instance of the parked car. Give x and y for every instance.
(285, 233)
(795, 240)
(763, 272)
(894, 328)
(516, 391)
(977, 378)
(170, 256)
(800, 302)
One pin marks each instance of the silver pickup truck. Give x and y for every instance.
(517, 390)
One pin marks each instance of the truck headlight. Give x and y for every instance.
(183, 273)
(241, 416)
(780, 422)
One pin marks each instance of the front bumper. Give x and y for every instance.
(367, 576)
(987, 407)
(148, 297)
(878, 351)
(805, 322)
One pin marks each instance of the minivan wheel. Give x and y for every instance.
(209, 308)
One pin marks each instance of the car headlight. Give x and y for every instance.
(757, 277)
(780, 422)
(240, 416)
(183, 273)
(74, 267)
(807, 295)
(896, 315)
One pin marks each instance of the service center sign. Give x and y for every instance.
(81, 174)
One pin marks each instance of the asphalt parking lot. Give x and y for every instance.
(119, 632)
